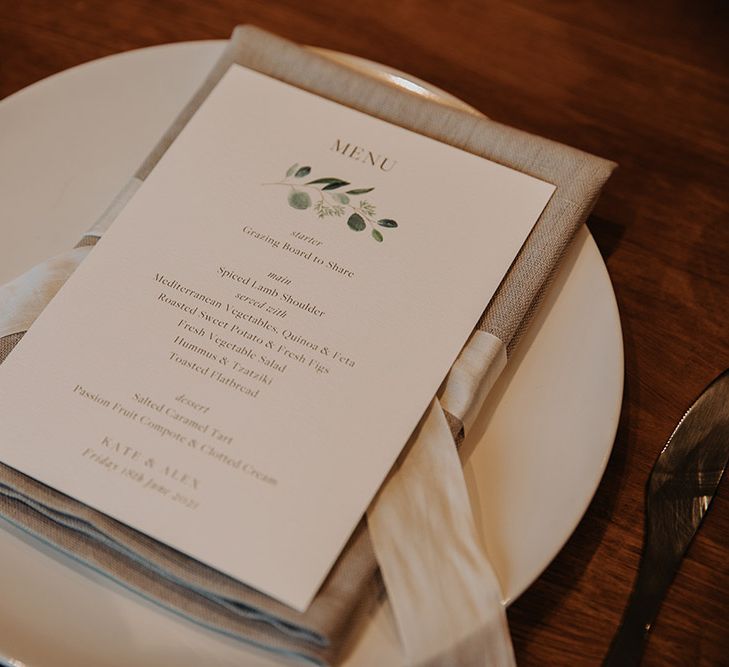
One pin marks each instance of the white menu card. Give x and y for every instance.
(237, 364)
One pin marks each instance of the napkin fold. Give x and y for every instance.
(413, 490)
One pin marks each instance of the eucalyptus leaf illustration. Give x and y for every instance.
(300, 200)
(319, 196)
(356, 222)
(331, 183)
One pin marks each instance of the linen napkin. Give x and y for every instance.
(419, 524)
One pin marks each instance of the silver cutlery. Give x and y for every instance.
(680, 489)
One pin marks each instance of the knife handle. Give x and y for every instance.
(654, 576)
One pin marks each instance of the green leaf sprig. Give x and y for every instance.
(332, 200)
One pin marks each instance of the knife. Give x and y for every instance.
(680, 489)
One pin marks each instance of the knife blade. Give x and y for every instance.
(680, 489)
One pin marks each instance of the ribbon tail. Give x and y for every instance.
(444, 594)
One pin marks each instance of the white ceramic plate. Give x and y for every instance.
(534, 460)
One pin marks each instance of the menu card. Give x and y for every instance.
(239, 361)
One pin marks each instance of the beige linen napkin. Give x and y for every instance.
(417, 487)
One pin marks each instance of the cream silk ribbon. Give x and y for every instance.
(23, 299)
(443, 591)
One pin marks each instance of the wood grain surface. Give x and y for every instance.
(644, 84)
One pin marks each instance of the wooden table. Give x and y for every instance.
(645, 86)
